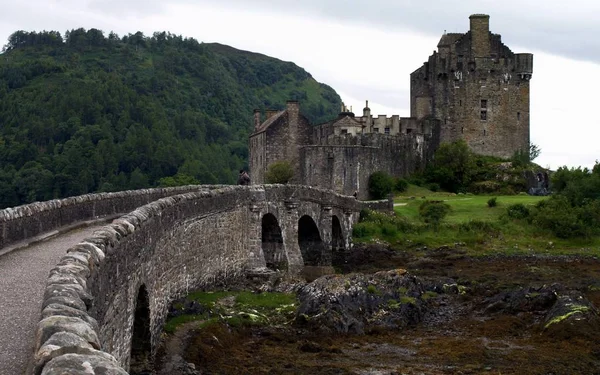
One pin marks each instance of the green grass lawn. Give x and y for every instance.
(464, 207)
(484, 230)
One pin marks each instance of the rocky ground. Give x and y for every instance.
(419, 312)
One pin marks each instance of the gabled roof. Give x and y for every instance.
(270, 121)
(347, 121)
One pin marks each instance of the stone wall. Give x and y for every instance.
(27, 221)
(170, 247)
(345, 163)
(478, 89)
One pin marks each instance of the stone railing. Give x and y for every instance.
(69, 337)
(30, 220)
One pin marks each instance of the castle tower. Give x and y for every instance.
(480, 35)
(477, 89)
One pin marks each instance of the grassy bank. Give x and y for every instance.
(480, 229)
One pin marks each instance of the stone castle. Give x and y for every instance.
(473, 88)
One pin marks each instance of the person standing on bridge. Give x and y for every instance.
(243, 179)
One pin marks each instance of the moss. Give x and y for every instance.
(428, 295)
(402, 290)
(393, 304)
(575, 309)
(372, 289)
(248, 308)
(406, 300)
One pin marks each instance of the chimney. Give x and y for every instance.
(270, 112)
(256, 119)
(480, 35)
(293, 109)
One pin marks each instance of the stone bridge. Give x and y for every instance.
(107, 299)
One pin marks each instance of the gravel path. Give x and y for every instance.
(23, 275)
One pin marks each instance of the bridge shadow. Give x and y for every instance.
(141, 342)
(272, 243)
(310, 242)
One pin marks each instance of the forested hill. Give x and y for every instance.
(88, 112)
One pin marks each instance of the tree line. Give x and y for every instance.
(85, 112)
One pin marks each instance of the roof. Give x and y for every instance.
(270, 121)
(347, 121)
(448, 39)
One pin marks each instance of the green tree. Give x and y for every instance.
(279, 172)
(434, 212)
(452, 167)
(381, 185)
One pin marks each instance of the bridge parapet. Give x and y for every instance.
(167, 247)
(27, 221)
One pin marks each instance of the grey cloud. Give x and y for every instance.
(551, 26)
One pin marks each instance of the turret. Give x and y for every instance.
(480, 35)
(367, 110)
(524, 65)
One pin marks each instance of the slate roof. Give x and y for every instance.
(448, 39)
(347, 121)
(270, 121)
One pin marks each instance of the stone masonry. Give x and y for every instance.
(473, 88)
(163, 250)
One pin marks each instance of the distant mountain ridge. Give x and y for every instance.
(88, 112)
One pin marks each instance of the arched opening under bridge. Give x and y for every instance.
(141, 340)
(272, 243)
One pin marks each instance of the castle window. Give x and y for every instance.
(462, 130)
(483, 103)
(344, 131)
(375, 130)
(484, 115)
(408, 131)
(518, 115)
(484, 132)
(460, 103)
(387, 130)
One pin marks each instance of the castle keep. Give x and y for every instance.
(478, 89)
(472, 88)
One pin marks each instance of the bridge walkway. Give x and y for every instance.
(23, 275)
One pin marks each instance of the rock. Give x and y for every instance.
(529, 299)
(358, 303)
(59, 344)
(80, 364)
(56, 309)
(572, 316)
(178, 366)
(54, 324)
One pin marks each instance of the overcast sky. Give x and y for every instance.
(366, 49)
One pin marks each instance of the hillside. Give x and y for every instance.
(89, 112)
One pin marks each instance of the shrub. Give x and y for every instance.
(434, 186)
(517, 211)
(484, 187)
(389, 229)
(416, 179)
(475, 226)
(557, 215)
(279, 172)
(380, 185)
(401, 185)
(365, 230)
(433, 212)
(492, 202)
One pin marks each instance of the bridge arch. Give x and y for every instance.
(176, 245)
(272, 243)
(337, 235)
(310, 241)
(141, 340)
